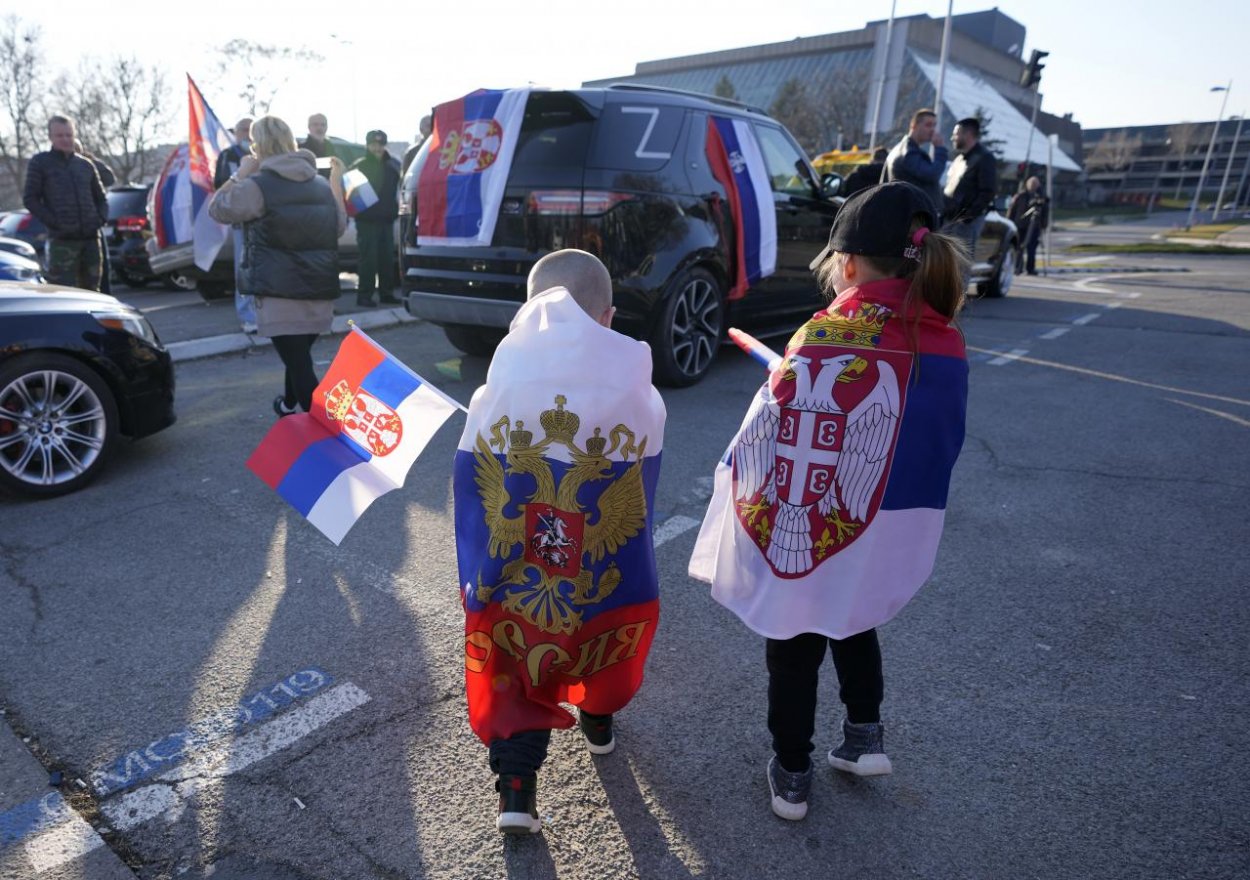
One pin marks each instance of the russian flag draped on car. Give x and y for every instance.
(462, 182)
(737, 164)
(829, 503)
(371, 418)
(554, 493)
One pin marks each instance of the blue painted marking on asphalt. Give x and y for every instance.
(171, 750)
(31, 818)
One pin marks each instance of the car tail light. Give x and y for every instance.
(132, 224)
(572, 201)
(24, 223)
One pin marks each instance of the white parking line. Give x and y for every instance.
(68, 839)
(1097, 259)
(1056, 333)
(1085, 319)
(671, 528)
(1008, 357)
(1112, 305)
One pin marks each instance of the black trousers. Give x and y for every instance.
(301, 379)
(523, 753)
(793, 670)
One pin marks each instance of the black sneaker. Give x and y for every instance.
(789, 790)
(862, 751)
(280, 407)
(518, 805)
(598, 732)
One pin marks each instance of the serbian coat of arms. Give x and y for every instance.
(365, 419)
(473, 148)
(810, 461)
(560, 539)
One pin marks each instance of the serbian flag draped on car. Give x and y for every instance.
(555, 488)
(738, 166)
(371, 418)
(462, 182)
(829, 503)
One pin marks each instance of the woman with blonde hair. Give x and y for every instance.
(292, 220)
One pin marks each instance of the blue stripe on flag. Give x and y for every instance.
(390, 383)
(316, 468)
(464, 191)
(929, 439)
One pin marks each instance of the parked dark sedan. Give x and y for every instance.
(19, 247)
(25, 226)
(77, 370)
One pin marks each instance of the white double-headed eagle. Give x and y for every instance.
(858, 465)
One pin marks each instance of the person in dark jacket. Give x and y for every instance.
(107, 179)
(970, 185)
(1030, 211)
(292, 219)
(228, 161)
(909, 161)
(375, 226)
(865, 175)
(64, 191)
(317, 143)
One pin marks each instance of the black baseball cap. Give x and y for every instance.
(876, 222)
(376, 136)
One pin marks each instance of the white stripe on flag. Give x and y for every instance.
(422, 414)
(346, 498)
(509, 114)
(763, 196)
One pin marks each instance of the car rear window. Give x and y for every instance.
(636, 136)
(127, 203)
(555, 134)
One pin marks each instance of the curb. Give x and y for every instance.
(1096, 269)
(211, 346)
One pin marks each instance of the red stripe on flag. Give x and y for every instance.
(718, 159)
(356, 358)
(283, 445)
(432, 184)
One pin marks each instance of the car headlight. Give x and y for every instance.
(128, 322)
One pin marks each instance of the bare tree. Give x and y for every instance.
(21, 122)
(993, 144)
(1115, 152)
(1183, 137)
(796, 110)
(841, 98)
(725, 88)
(123, 110)
(258, 71)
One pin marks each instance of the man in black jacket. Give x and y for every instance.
(375, 226)
(1030, 211)
(317, 143)
(970, 185)
(64, 191)
(909, 160)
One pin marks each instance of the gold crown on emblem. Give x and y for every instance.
(338, 405)
(519, 437)
(596, 444)
(559, 423)
(862, 326)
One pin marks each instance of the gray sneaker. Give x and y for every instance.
(862, 751)
(789, 790)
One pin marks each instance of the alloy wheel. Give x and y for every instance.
(53, 427)
(695, 329)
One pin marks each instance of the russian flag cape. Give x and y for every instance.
(554, 487)
(737, 164)
(829, 504)
(462, 182)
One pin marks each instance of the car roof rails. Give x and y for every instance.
(686, 93)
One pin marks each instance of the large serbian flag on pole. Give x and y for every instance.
(738, 166)
(555, 491)
(207, 139)
(371, 418)
(462, 182)
(829, 503)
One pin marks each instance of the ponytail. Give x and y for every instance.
(939, 279)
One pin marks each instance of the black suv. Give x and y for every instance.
(128, 224)
(623, 172)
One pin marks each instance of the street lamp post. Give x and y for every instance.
(1228, 167)
(1206, 162)
(885, 70)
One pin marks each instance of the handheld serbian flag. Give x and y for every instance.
(371, 418)
(208, 138)
(175, 201)
(737, 164)
(462, 182)
(358, 192)
(829, 504)
(555, 502)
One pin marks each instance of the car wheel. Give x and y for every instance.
(1004, 274)
(58, 424)
(211, 290)
(178, 281)
(690, 329)
(135, 281)
(481, 341)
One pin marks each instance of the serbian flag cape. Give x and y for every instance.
(371, 418)
(555, 489)
(208, 137)
(358, 192)
(829, 504)
(462, 183)
(737, 164)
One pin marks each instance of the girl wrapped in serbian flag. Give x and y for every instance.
(829, 504)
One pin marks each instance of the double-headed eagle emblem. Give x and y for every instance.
(551, 577)
(807, 471)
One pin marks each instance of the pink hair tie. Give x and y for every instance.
(918, 236)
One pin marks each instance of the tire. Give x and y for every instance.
(998, 285)
(178, 281)
(134, 281)
(480, 341)
(690, 329)
(212, 290)
(47, 449)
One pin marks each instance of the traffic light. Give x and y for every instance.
(1033, 73)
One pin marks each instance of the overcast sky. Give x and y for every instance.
(1112, 62)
